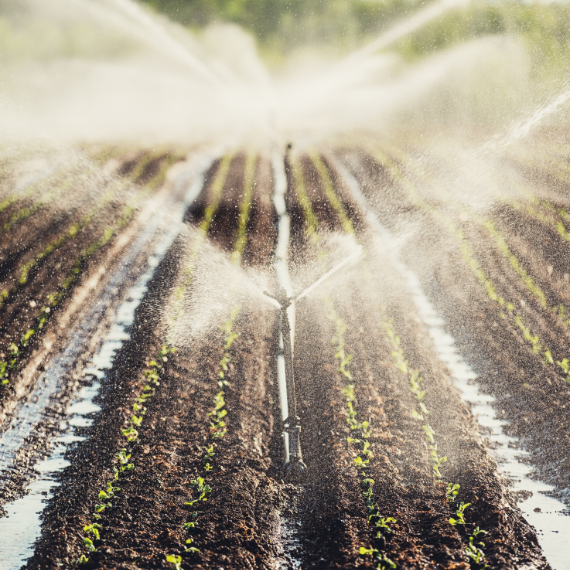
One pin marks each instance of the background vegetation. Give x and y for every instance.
(284, 25)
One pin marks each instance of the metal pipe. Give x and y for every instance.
(294, 468)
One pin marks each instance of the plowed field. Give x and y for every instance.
(179, 461)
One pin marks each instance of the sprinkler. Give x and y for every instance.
(294, 469)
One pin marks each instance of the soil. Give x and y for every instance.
(253, 518)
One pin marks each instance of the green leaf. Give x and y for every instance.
(89, 544)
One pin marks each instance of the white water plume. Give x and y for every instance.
(331, 266)
(403, 29)
(523, 128)
(212, 290)
(158, 82)
(153, 32)
(352, 258)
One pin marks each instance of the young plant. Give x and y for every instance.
(384, 563)
(361, 444)
(93, 529)
(175, 560)
(452, 492)
(473, 552)
(460, 514)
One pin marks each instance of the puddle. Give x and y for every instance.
(21, 526)
(545, 513)
(291, 549)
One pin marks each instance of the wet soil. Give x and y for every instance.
(19, 312)
(252, 518)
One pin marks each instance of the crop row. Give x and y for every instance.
(473, 550)
(123, 462)
(506, 309)
(556, 166)
(539, 209)
(360, 444)
(360, 431)
(217, 428)
(89, 165)
(498, 239)
(15, 351)
(123, 458)
(177, 298)
(47, 189)
(216, 421)
(68, 235)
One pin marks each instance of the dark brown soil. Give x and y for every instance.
(252, 518)
(19, 312)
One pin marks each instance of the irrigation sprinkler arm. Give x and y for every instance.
(294, 468)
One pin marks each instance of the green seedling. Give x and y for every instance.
(191, 549)
(25, 340)
(124, 464)
(478, 531)
(89, 544)
(152, 376)
(190, 525)
(137, 421)
(93, 529)
(452, 492)
(209, 453)
(384, 561)
(219, 434)
(437, 461)
(224, 365)
(382, 527)
(143, 398)
(200, 486)
(360, 463)
(130, 433)
(100, 508)
(366, 430)
(429, 433)
(13, 351)
(460, 513)
(474, 553)
(176, 561)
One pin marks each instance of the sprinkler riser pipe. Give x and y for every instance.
(288, 355)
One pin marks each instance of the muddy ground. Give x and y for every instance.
(252, 517)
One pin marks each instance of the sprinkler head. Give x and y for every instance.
(281, 298)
